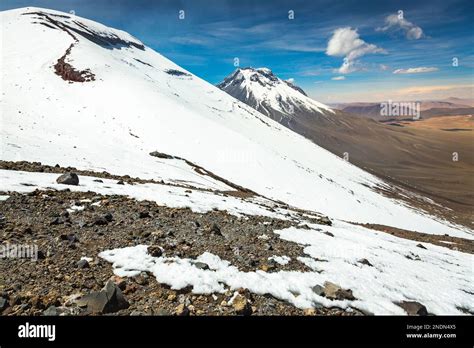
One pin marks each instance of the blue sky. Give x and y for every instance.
(418, 44)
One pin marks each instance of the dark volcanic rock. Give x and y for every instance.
(155, 251)
(81, 264)
(143, 215)
(68, 179)
(175, 72)
(413, 308)
(100, 221)
(201, 265)
(365, 262)
(108, 217)
(161, 155)
(108, 300)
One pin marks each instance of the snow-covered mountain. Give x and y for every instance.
(265, 92)
(77, 93)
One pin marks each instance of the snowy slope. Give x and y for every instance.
(138, 101)
(270, 95)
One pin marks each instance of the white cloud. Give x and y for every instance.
(383, 67)
(415, 70)
(346, 42)
(398, 22)
(291, 80)
(338, 78)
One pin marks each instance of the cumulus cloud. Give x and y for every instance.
(419, 70)
(338, 78)
(397, 22)
(346, 42)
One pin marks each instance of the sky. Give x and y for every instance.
(337, 51)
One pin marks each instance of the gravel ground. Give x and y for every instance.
(52, 284)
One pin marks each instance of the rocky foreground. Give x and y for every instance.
(72, 228)
(69, 279)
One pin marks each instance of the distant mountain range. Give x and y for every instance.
(430, 108)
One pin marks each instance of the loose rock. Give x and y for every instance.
(68, 179)
(51, 311)
(241, 305)
(155, 251)
(413, 308)
(318, 290)
(335, 292)
(81, 264)
(182, 310)
(110, 299)
(201, 265)
(365, 262)
(3, 303)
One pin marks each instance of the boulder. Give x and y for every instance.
(335, 292)
(108, 300)
(68, 179)
(413, 308)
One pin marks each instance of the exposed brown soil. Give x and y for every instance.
(69, 73)
(415, 158)
(444, 122)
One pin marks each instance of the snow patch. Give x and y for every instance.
(281, 260)
(441, 279)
